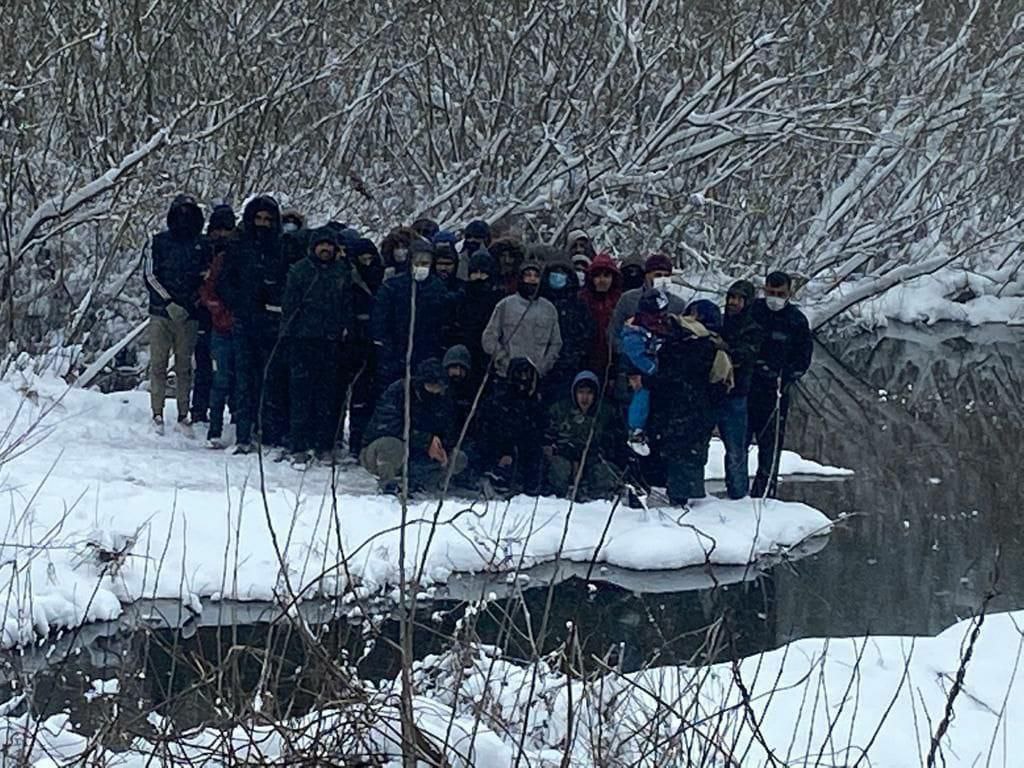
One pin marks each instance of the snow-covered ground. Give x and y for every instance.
(871, 700)
(191, 523)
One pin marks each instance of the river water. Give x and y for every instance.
(929, 419)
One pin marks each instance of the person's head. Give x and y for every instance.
(184, 217)
(221, 223)
(707, 313)
(262, 216)
(657, 271)
(529, 279)
(585, 389)
(652, 311)
(425, 228)
(522, 376)
(509, 254)
(739, 297)
(363, 252)
(578, 242)
(394, 248)
(581, 263)
(476, 235)
(603, 276)
(446, 259)
(559, 279)
(292, 221)
(324, 245)
(632, 273)
(778, 290)
(431, 377)
(457, 364)
(421, 259)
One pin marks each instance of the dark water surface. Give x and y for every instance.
(932, 423)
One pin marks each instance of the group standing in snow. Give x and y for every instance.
(480, 361)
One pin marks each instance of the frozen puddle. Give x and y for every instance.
(101, 512)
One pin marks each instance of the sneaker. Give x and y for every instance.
(638, 443)
(215, 443)
(242, 449)
(158, 424)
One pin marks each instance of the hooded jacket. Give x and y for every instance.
(256, 270)
(512, 420)
(744, 337)
(787, 344)
(476, 304)
(568, 428)
(575, 324)
(601, 306)
(221, 318)
(317, 298)
(177, 258)
(523, 328)
(366, 280)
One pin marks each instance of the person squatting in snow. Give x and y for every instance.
(491, 363)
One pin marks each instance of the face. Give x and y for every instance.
(603, 281)
(531, 277)
(219, 234)
(471, 245)
(652, 277)
(578, 246)
(366, 259)
(400, 254)
(478, 277)
(444, 267)
(777, 291)
(585, 397)
(508, 262)
(263, 219)
(421, 261)
(734, 304)
(325, 251)
(456, 373)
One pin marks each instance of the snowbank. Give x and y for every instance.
(871, 700)
(103, 512)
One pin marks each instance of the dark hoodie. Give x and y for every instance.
(601, 307)
(513, 419)
(574, 322)
(366, 281)
(317, 300)
(177, 258)
(430, 415)
(476, 305)
(509, 255)
(252, 283)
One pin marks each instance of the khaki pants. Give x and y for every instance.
(166, 335)
(383, 458)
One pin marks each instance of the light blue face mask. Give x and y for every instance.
(558, 280)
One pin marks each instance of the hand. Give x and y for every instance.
(437, 452)
(505, 461)
(636, 381)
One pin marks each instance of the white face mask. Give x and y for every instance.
(419, 274)
(289, 226)
(662, 282)
(775, 303)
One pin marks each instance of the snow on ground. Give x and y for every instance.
(871, 700)
(191, 523)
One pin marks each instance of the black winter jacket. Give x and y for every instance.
(317, 301)
(682, 396)
(177, 259)
(255, 273)
(575, 323)
(430, 416)
(744, 338)
(511, 421)
(787, 345)
(389, 323)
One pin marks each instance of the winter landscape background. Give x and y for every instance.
(872, 148)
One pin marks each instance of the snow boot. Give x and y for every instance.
(638, 443)
(158, 424)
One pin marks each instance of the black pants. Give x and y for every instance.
(313, 390)
(202, 377)
(362, 363)
(272, 385)
(766, 425)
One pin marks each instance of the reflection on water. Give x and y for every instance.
(930, 420)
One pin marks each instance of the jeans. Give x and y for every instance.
(224, 351)
(639, 408)
(731, 420)
(203, 380)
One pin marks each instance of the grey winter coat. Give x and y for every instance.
(523, 328)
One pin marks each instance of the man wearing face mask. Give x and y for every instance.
(392, 310)
(394, 249)
(524, 326)
(252, 287)
(294, 236)
(475, 236)
(580, 251)
(560, 286)
(784, 356)
(657, 274)
(632, 269)
(446, 259)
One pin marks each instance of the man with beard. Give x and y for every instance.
(560, 286)
(392, 312)
(524, 325)
(431, 433)
(784, 357)
(632, 269)
(744, 338)
(251, 287)
(601, 293)
(446, 260)
(509, 254)
(317, 317)
(367, 277)
(475, 236)
(177, 259)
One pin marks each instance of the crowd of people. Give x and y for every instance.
(469, 359)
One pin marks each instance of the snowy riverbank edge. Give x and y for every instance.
(870, 700)
(102, 512)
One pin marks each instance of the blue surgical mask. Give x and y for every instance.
(558, 280)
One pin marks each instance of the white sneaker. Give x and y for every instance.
(638, 443)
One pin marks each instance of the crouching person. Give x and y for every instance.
(317, 315)
(572, 424)
(431, 433)
(511, 431)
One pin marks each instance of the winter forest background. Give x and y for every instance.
(859, 144)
